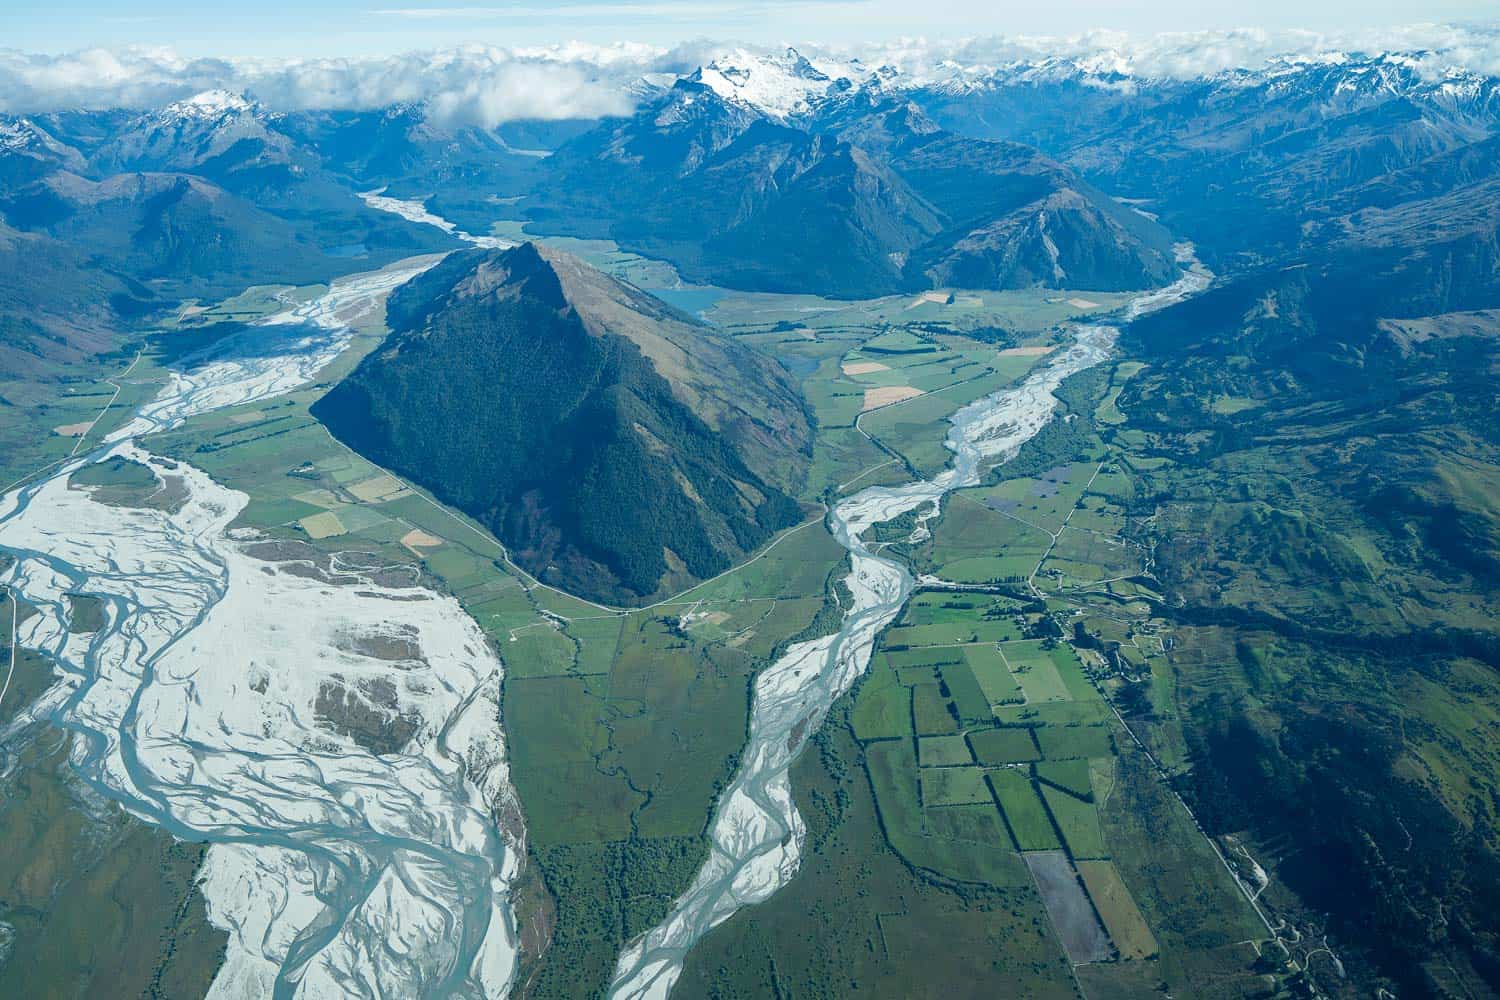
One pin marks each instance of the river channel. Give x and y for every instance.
(336, 866)
(757, 834)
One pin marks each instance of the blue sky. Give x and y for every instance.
(280, 28)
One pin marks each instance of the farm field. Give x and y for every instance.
(986, 741)
(963, 780)
(71, 410)
(1127, 928)
(881, 921)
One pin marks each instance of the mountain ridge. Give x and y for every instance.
(838, 201)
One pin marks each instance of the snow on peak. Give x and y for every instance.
(1327, 74)
(18, 133)
(209, 104)
(184, 133)
(24, 137)
(782, 85)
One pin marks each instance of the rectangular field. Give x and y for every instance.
(950, 633)
(993, 674)
(882, 709)
(1072, 916)
(1024, 813)
(929, 710)
(954, 786)
(1004, 746)
(1063, 742)
(968, 697)
(1122, 918)
(1069, 775)
(1035, 672)
(1078, 821)
(943, 751)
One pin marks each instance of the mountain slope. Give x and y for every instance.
(216, 134)
(54, 308)
(28, 152)
(608, 440)
(1015, 218)
(265, 183)
(203, 197)
(457, 170)
(1336, 533)
(190, 235)
(781, 208)
(1236, 161)
(837, 191)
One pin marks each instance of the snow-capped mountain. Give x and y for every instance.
(1052, 101)
(1331, 76)
(22, 137)
(185, 135)
(743, 152)
(1237, 150)
(28, 151)
(209, 105)
(783, 85)
(1241, 159)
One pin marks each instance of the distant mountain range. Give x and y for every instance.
(774, 177)
(199, 199)
(792, 173)
(1249, 164)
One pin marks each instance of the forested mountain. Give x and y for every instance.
(617, 446)
(54, 308)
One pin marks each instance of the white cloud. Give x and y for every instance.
(526, 90)
(488, 85)
(479, 84)
(1186, 55)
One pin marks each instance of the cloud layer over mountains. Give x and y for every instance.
(478, 84)
(487, 85)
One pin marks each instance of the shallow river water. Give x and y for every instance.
(199, 707)
(413, 210)
(757, 834)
